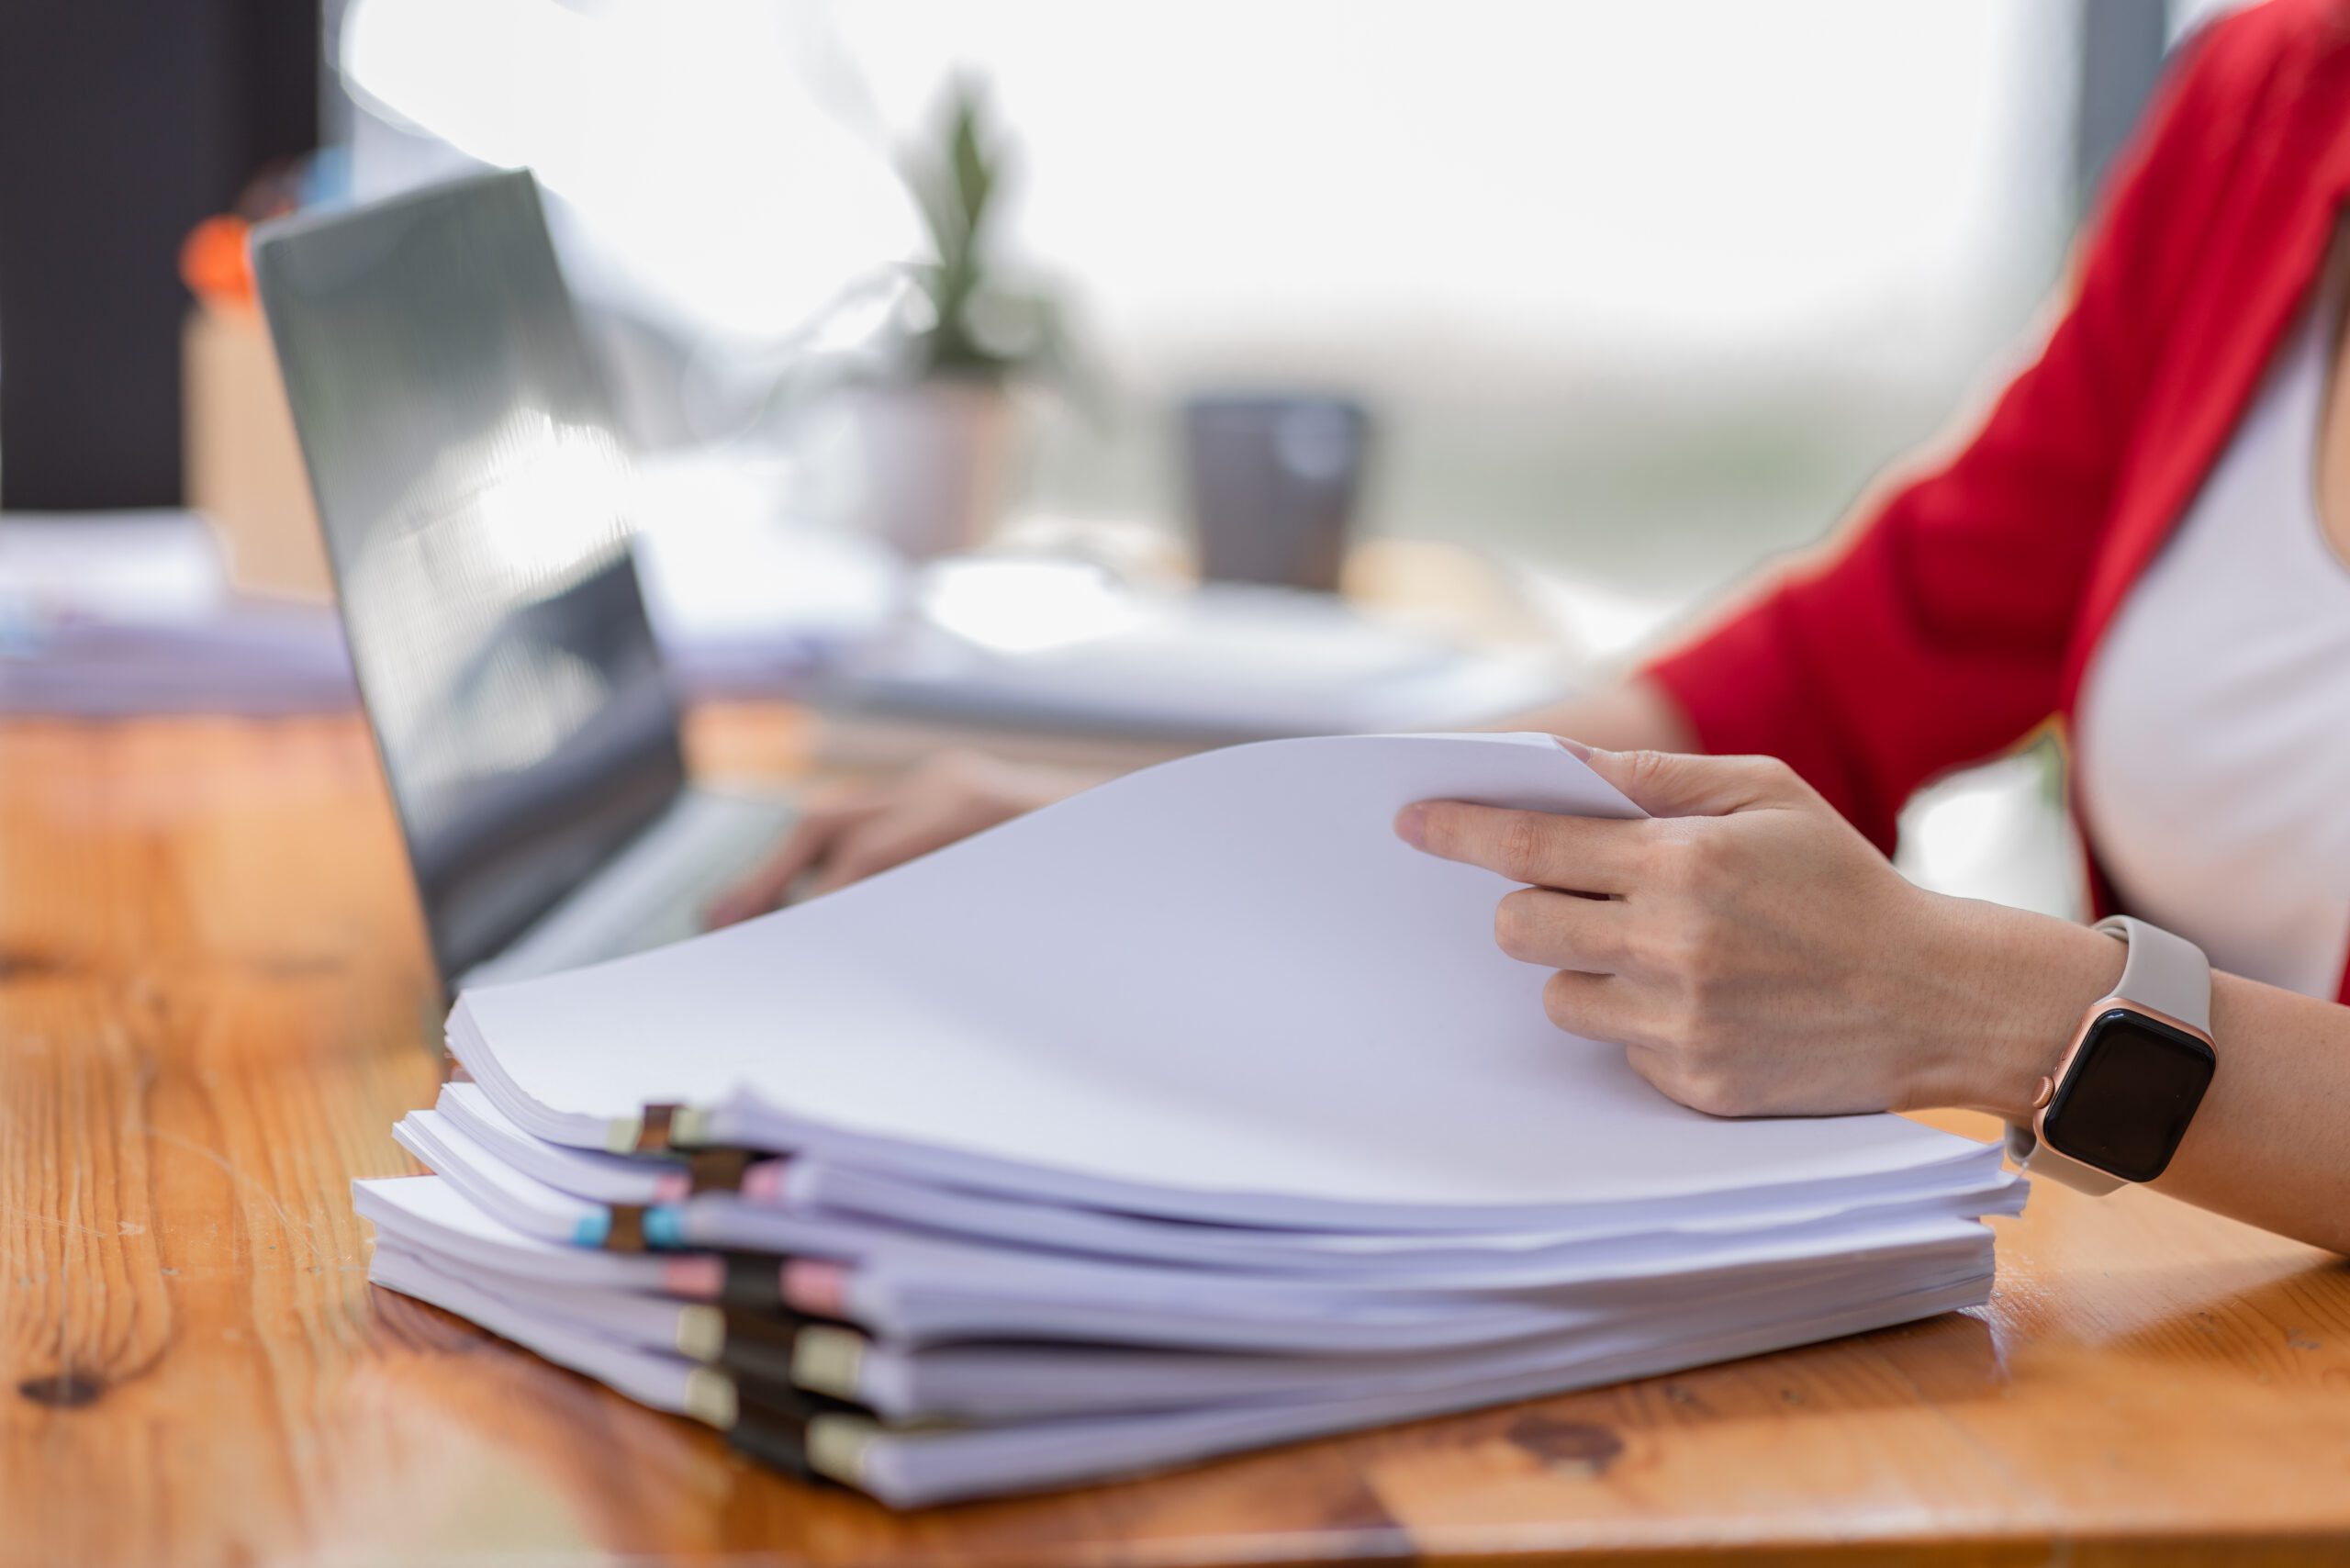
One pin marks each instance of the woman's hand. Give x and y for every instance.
(873, 827)
(1754, 956)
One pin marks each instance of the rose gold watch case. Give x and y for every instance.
(2046, 1095)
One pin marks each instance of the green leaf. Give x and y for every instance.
(974, 172)
(977, 326)
(941, 215)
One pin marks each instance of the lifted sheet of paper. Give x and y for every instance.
(1219, 988)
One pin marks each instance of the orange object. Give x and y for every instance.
(243, 467)
(214, 262)
(242, 464)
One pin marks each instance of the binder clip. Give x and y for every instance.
(664, 1128)
(716, 1170)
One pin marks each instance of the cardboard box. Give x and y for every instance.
(243, 466)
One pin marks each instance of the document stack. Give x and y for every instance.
(1193, 1114)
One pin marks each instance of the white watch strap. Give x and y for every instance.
(2163, 971)
(2025, 1149)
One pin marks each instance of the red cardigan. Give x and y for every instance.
(1961, 611)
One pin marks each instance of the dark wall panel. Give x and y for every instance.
(122, 122)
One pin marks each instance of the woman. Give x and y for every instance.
(2149, 538)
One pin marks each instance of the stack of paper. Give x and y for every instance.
(1194, 1113)
(1059, 647)
(135, 613)
(132, 612)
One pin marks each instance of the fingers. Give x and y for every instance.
(810, 841)
(1613, 1011)
(1670, 1077)
(883, 840)
(1563, 931)
(1677, 784)
(1606, 1008)
(949, 797)
(1582, 854)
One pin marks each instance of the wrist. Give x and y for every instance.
(2012, 989)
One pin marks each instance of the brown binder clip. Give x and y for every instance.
(653, 1129)
(665, 1128)
(626, 1231)
(752, 1283)
(716, 1170)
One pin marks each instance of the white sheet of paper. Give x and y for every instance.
(427, 1214)
(1218, 989)
(722, 1221)
(917, 1467)
(649, 1377)
(816, 1188)
(1022, 1381)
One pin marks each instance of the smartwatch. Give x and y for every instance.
(2117, 1106)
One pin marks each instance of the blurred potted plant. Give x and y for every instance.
(938, 429)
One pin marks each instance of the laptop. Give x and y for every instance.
(473, 489)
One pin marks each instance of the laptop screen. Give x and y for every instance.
(474, 497)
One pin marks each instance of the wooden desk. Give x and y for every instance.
(213, 1005)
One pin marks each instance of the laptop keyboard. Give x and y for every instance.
(654, 891)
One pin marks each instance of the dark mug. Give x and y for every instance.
(1274, 479)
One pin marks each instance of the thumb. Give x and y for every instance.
(1681, 784)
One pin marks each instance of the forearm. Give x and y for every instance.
(2270, 1144)
(1636, 715)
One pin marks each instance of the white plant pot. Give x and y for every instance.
(936, 459)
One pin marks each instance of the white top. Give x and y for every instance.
(2214, 728)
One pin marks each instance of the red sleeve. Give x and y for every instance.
(1936, 632)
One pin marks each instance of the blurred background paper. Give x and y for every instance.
(1058, 647)
(133, 613)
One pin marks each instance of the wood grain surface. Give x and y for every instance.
(214, 1003)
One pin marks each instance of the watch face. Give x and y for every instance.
(2133, 1086)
